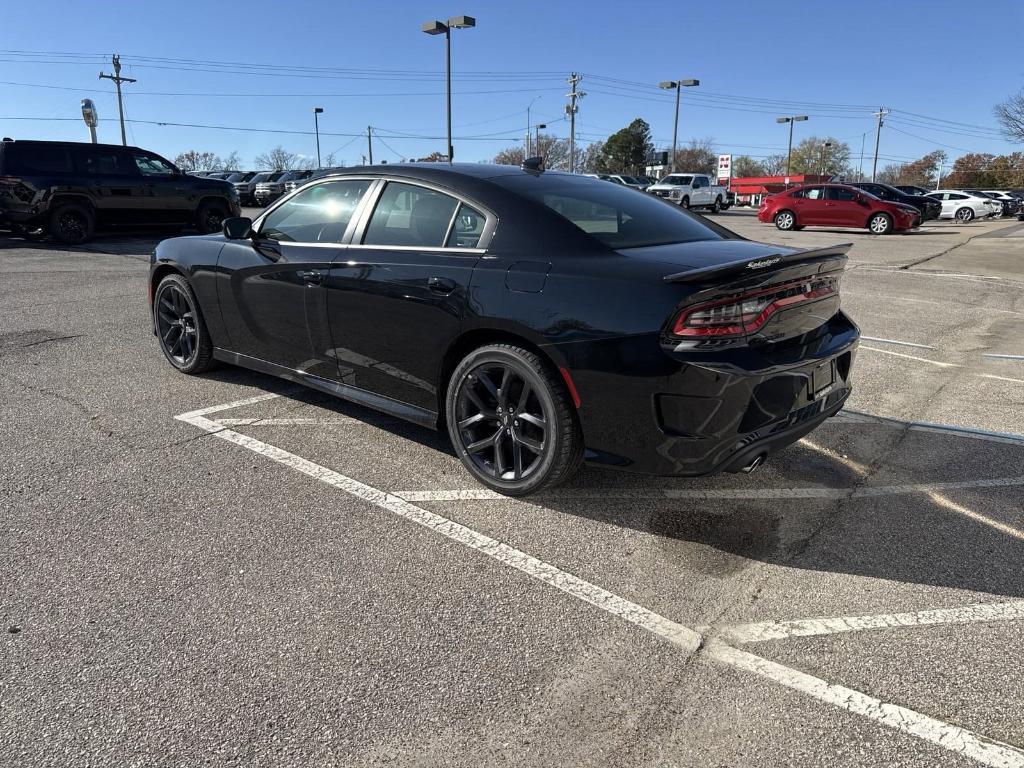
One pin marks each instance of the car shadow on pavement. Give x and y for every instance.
(885, 513)
(118, 244)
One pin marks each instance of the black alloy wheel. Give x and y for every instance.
(511, 421)
(211, 217)
(180, 327)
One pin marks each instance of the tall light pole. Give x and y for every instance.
(538, 141)
(790, 119)
(317, 111)
(439, 28)
(824, 150)
(678, 85)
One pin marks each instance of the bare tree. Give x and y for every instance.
(588, 159)
(698, 156)
(1010, 115)
(513, 155)
(232, 162)
(198, 161)
(745, 166)
(774, 165)
(277, 159)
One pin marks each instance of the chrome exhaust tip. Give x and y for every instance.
(756, 462)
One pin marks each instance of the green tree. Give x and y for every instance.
(815, 155)
(626, 151)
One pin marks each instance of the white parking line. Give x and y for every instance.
(912, 357)
(950, 737)
(296, 422)
(930, 426)
(894, 341)
(759, 632)
(976, 516)
(1000, 378)
(482, 494)
(1004, 357)
(966, 743)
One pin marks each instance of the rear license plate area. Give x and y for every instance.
(822, 380)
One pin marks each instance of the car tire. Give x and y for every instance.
(511, 420)
(685, 202)
(880, 224)
(717, 205)
(180, 327)
(785, 220)
(210, 216)
(72, 223)
(964, 214)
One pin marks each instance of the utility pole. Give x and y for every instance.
(369, 143)
(882, 112)
(570, 110)
(860, 169)
(116, 77)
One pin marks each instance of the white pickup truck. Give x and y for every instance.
(692, 190)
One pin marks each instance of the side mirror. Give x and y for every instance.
(238, 228)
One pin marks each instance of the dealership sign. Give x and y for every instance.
(724, 167)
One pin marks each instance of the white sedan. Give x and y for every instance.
(963, 206)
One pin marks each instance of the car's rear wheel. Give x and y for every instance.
(880, 224)
(964, 214)
(717, 205)
(785, 220)
(511, 420)
(210, 216)
(180, 327)
(71, 223)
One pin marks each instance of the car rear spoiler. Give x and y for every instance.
(776, 261)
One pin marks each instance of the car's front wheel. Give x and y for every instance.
(179, 325)
(210, 216)
(511, 420)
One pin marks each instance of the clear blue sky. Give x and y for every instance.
(941, 67)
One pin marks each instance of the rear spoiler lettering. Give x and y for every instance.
(754, 266)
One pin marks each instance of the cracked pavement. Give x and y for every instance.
(171, 599)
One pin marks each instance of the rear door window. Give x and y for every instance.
(841, 194)
(467, 229)
(407, 215)
(102, 161)
(27, 159)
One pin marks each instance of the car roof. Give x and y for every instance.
(42, 142)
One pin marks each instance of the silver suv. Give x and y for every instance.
(268, 191)
(246, 188)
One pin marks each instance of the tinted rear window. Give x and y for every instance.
(35, 158)
(617, 216)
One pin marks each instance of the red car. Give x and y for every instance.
(836, 205)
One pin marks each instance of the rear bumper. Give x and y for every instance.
(705, 412)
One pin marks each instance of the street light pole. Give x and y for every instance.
(438, 28)
(678, 85)
(790, 119)
(316, 125)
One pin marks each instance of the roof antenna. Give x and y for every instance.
(534, 164)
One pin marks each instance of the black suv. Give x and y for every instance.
(67, 189)
(929, 208)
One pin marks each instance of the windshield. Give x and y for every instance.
(678, 181)
(615, 215)
(629, 179)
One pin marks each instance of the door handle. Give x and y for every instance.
(311, 276)
(441, 285)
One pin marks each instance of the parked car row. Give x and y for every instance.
(66, 190)
(881, 208)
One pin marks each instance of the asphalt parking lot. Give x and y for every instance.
(228, 570)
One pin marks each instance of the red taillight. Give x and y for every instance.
(747, 313)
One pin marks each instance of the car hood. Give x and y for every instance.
(700, 254)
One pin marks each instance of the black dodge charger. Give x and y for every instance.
(542, 318)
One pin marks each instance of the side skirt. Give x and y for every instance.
(415, 414)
